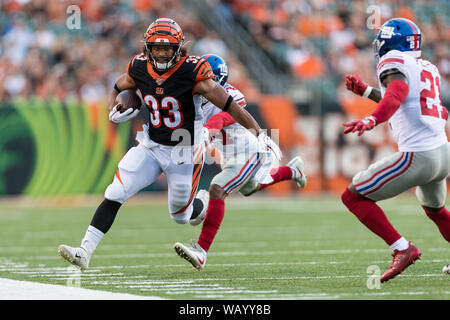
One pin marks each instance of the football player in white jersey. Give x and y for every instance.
(247, 166)
(409, 98)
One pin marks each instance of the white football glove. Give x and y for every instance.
(265, 144)
(118, 117)
(206, 138)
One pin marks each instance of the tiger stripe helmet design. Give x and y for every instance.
(164, 31)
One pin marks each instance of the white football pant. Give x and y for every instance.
(141, 166)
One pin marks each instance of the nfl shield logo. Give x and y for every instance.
(159, 81)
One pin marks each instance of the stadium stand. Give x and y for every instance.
(40, 56)
(311, 43)
(320, 41)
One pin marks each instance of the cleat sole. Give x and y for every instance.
(185, 256)
(65, 255)
(68, 257)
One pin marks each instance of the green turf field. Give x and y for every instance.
(267, 248)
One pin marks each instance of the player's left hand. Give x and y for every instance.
(266, 143)
(118, 117)
(366, 124)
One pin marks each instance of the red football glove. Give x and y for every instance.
(355, 84)
(366, 124)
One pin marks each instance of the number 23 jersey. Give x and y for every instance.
(419, 123)
(169, 98)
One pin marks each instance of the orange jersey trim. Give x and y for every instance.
(160, 79)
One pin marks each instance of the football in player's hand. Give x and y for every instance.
(128, 99)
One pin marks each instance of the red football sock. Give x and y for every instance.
(278, 174)
(371, 215)
(442, 220)
(211, 224)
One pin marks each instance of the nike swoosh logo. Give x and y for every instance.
(200, 260)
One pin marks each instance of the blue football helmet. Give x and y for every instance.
(398, 34)
(219, 68)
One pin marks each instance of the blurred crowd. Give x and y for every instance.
(40, 54)
(43, 53)
(320, 41)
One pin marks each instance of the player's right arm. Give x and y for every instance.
(124, 82)
(217, 95)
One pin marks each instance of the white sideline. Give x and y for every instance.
(26, 290)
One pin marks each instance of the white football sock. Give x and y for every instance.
(400, 244)
(91, 239)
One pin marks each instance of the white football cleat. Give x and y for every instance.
(195, 255)
(296, 164)
(446, 269)
(250, 187)
(76, 256)
(203, 195)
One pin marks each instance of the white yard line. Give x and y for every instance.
(239, 253)
(25, 269)
(25, 290)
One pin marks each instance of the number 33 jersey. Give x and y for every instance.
(170, 99)
(419, 123)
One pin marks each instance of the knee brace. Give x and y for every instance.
(179, 197)
(179, 206)
(181, 218)
(116, 192)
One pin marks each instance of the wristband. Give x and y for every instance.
(371, 117)
(367, 92)
(116, 88)
(228, 103)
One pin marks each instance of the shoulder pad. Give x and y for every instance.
(136, 58)
(388, 72)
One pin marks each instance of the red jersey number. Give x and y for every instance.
(175, 119)
(430, 100)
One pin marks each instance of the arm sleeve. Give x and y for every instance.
(396, 93)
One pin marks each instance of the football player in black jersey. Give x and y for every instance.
(170, 85)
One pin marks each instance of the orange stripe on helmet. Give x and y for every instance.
(164, 28)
